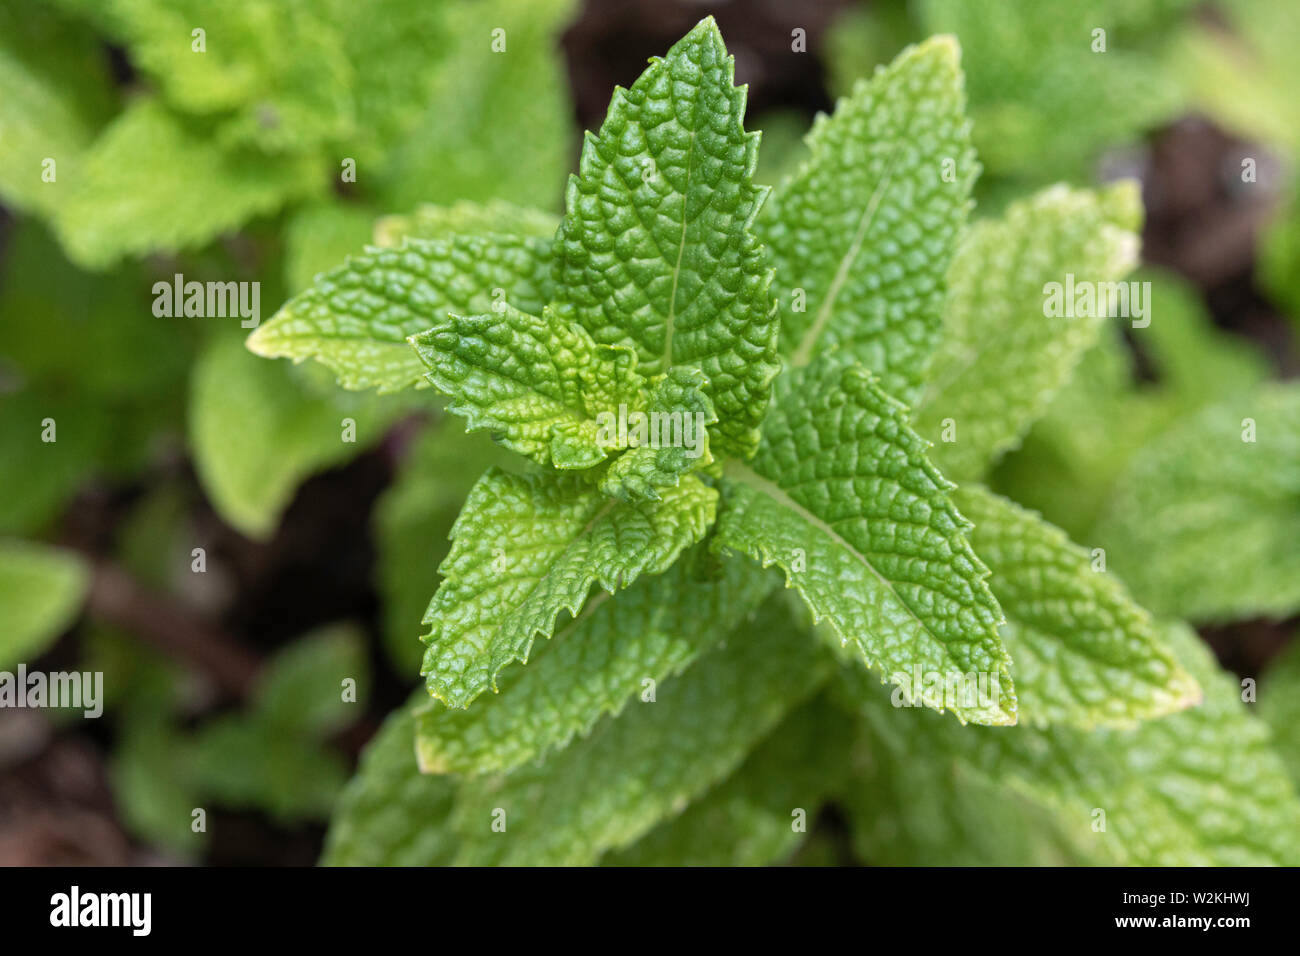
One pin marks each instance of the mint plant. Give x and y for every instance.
(823, 338)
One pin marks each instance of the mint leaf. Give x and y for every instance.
(301, 690)
(752, 818)
(843, 499)
(1083, 653)
(526, 548)
(1204, 521)
(863, 233)
(656, 249)
(41, 590)
(1279, 706)
(604, 792)
(356, 319)
(981, 394)
(650, 632)
(390, 814)
(537, 384)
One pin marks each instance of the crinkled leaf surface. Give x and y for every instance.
(656, 250)
(607, 790)
(1002, 357)
(863, 234)
(594, 666)
(1083, 653)
(843, 499)
(41, 589)
(526, 548)
(356, 318)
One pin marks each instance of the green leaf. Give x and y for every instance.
(679, 413)
(632, 772)
(650, 632)
(41, 590)
(390, 814)
(412, 519)
(155, 182)
(752, 818)
(356, 318)
(537, 384)
(1279, 706)
(1204, 522)
(983, 394)
(1083, 653)
(301, 690)
(465, 219)
(526, 548)
(843, 499)
(320, 235)
(656, 250)
(257, 432)
(56, 87)
(1196, 788)
(863, 234)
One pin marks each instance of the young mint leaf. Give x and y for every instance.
(843, 499)
(390, 814)
(1003, 356)
(526, 548)
(604, 792)
(41, 590)
(681, 401)
(356, 319)
(863, 234)
(750, 818)
(650, 632)
(1204, 521)
(537, 384)
(1201, 787)
(1082, 652)
(656, 249)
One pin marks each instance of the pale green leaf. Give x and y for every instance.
(1083, 653)
(843, 499)
(604, 792)
(595, 666)
(526, 548)
(656, 250)
(863, 234)
(1003, 356)
(301, 689)
(41, 589)
(357, 317)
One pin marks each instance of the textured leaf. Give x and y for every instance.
(651, 631)
(526, 548)
(154, 182)
(1083, 653)
(356, 318)
(537, 384)
(749, 819)
(1002, 356)
(863, 234)
(679, 413)
(1201, 787)
(465, 219)
(390, 814)
(256, 432)
(609, 789)
(1204, 522)
(843, 499)
(41, 589)
(656, 249)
